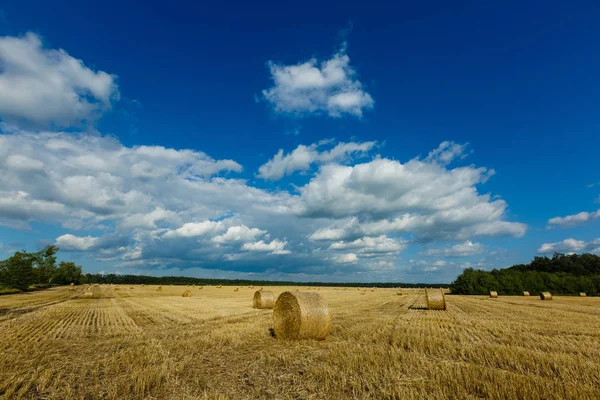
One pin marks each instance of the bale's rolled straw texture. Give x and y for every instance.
(263, 299)
(435, 299)
(582, 294)
(525, 293)
(301, 315)
(493, 294)
(187, 293)
(546, 296)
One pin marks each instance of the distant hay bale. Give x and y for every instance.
(200, 287)
(236, 289)
(219, 287)
(435, 299)
(399, 293)
(88, 294)
(301, 315)
(525, 293)
(187, 293)
(117, 288)
(493, 294)
(159, 289)
(263, 299)
(546, 296)
(582, 294)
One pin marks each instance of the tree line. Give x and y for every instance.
(25, 270)
(562, 275)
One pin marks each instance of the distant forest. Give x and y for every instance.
(562, 275)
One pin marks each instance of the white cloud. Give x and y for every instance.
(192, 229)
(71, 242)
(303, 157)
(573, 220)
(571, 245)
(49, 87)
(466, 249)
(312, 87)
(368, 246)
(346, 258)
(275, 247)
(421, 197)
(240, 233)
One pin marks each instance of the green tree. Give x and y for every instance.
(45, 261)
(17, 271)
(67, 272)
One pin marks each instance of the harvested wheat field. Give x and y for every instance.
(149, 344)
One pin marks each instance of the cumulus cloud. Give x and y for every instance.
(303, 157)
(466, 249)
(327, 87)
(192, 229)
(274, 247)
(49, 87)
(571, 245)
(367, 246)
(165, 208)
(71, 242)
(346, 258)
(423, 197)
(240, 233)
(573, 220)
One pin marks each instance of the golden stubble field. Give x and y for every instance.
(142, 344)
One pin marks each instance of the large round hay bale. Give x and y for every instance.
(236, 289)
(263, 299)
(435, 299)
(187, 293)
(546, 296)
(159, 289)
(582, 294)
(525, 293)
(493, 294)
(301, 315)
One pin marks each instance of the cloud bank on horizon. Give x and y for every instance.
(351, 211)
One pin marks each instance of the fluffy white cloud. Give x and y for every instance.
(346, 258)
(70, 242)
(192, 229)
(466, 249)
(303, 157)
(49, 87)
(367, 246)
(421, 197)
(571, 245)
(275, 247)
(312, 87)
(167, 208)
(573, 220)
(240, 233)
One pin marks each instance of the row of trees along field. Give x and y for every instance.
(562, 275)
(24, 270)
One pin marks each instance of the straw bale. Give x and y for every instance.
(301, 315)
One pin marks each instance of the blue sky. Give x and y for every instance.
(396, 142)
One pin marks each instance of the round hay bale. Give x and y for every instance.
(435, 299)
(301, 315)
(88, 294)
(493, 294)
(545, 295)
(582, 294)
(187, 293)
(399, 293)
(236, 289)
(200, 287)
(219, 287)
(159, 289)
(263, 299)
(525, 293)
